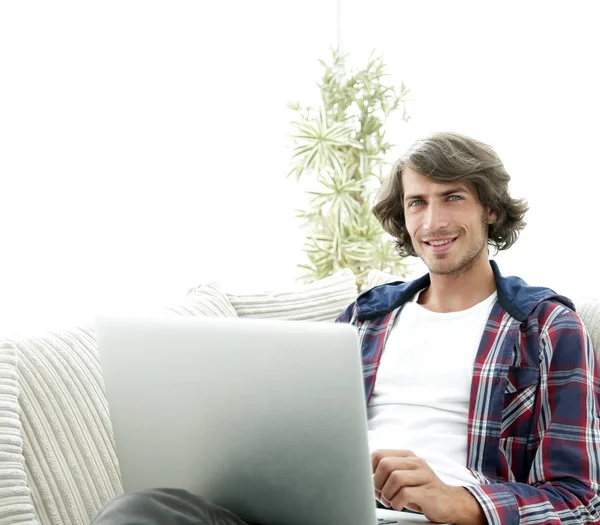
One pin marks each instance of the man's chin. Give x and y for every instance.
(450, 268)
(443, 267)
(440, 270)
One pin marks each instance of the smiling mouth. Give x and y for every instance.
(440, 245)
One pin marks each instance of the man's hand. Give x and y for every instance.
(402, 480)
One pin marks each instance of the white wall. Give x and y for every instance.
(522, 76)
(143, 149)
(143, 144)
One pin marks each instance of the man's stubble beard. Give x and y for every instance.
(468, 261)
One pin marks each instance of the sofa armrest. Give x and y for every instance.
(68, 443)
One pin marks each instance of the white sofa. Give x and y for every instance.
(57, 459)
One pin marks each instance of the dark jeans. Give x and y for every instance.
(164, 507)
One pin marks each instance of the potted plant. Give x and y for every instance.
(341, 146)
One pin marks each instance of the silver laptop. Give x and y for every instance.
(265, 418)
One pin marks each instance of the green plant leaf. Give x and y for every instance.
(342, 144)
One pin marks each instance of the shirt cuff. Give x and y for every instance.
(499, 504)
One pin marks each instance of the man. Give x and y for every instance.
(516, 436)
(483, 392)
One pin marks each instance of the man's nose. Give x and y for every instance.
(436, 218)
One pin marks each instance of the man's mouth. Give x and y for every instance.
(440, 245)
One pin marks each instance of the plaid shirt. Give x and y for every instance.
(533, 429)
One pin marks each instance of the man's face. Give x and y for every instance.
(446, 223)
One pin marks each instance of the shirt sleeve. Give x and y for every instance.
(563, 483)
(347, 315)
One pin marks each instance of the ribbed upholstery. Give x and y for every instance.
(205, 300)
(16, 506)
(589, 311)
(68, 443)
(67, 437)
(321, 300)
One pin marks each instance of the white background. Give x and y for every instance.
(144, 145)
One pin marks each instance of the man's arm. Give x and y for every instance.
(347, 315)
(563, 484)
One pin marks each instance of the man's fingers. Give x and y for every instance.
(415, 507)
(406, 498)
(390, 465)
(378, 455)
(398, 482)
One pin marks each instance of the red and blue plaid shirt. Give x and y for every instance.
(534, 427)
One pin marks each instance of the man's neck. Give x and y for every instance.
(454, 293)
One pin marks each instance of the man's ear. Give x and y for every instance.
(492, 216)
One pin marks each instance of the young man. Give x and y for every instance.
(483, 392)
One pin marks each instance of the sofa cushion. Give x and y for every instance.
(16, 506)
(589, 311)
(321, 300)
(377, 277)
(205, 300)
(69, 448)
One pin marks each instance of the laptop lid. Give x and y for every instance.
(263, 417)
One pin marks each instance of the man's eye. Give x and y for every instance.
(415, 203)
(455, 197)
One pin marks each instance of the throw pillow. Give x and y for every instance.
(204, 300)
(377, 277)
(321, 300)
(589, 312)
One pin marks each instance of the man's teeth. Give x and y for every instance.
(440, 243)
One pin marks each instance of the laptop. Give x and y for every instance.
(263, 417)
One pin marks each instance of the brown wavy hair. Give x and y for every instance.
(451, 157)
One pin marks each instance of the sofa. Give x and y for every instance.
(58, 464)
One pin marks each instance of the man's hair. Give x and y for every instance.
(451, 157)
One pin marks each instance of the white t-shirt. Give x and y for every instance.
(420, 401)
